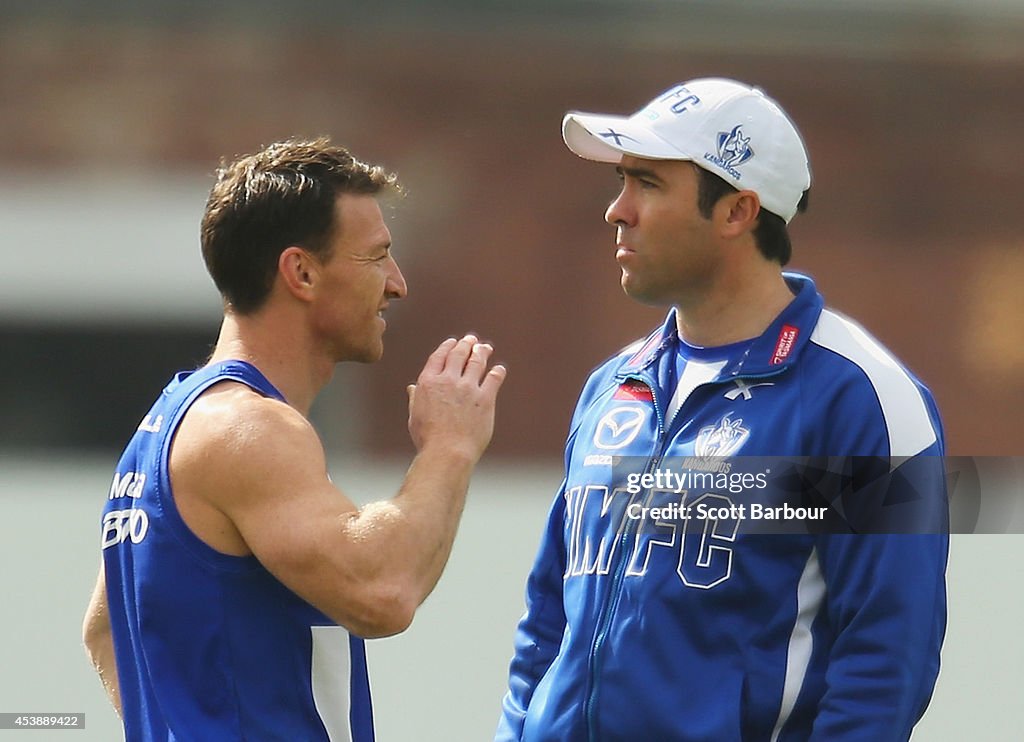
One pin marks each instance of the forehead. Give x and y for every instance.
(359, 221)
(667, 170)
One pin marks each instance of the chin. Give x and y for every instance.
(367, 357)
(643, 294)
(368, 354)
(633, 289)
(374, 354)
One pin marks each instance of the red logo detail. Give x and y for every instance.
(784, 346)
(635, 390)
(647, 346)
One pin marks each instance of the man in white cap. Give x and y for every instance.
(682, 590)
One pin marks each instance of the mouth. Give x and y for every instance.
(623, 253)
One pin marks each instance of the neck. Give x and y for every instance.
(735, 307)
(281, 354)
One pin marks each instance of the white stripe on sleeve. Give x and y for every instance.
(810, 593)
(906, 415)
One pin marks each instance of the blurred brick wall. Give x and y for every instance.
(913, 228)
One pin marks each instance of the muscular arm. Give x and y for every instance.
(261, 464)
(99, 641)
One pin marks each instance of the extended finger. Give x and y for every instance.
(455, 361)
(476, 366)
(435, 362)
(494, 379)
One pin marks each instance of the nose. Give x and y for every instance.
(619, 212)
(395, 287)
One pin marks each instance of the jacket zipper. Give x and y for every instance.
(614, 591)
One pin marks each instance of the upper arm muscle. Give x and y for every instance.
(259, 465)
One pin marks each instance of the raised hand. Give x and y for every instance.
(451, 405)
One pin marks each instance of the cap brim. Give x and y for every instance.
(603, 138)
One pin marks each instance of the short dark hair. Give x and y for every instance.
(771, 234)
(283, 195)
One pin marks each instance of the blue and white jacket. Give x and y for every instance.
(678, 629)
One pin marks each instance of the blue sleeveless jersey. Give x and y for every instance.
(211, 646)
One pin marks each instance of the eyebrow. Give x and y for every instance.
(374, 251)
(638, 172)
(380, 250)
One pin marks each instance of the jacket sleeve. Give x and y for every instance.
(885, 587)
(539, 633)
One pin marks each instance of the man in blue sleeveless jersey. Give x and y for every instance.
(238, 581)
(664, 604)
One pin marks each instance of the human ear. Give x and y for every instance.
(298, 271)
(737, 213)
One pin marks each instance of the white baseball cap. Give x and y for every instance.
(733, 130)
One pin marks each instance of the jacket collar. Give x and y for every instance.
(774, 351)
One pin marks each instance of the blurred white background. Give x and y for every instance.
(441, 681)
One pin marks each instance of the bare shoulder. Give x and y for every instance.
(235, 446)
(235, 416)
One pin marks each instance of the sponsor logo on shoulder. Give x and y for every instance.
(148, 425)
(129, 484)
(644, 354)
(124, 525)
(635, 390)
(784, 345)
(130, 523)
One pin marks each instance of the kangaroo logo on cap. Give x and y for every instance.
(733, 148)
